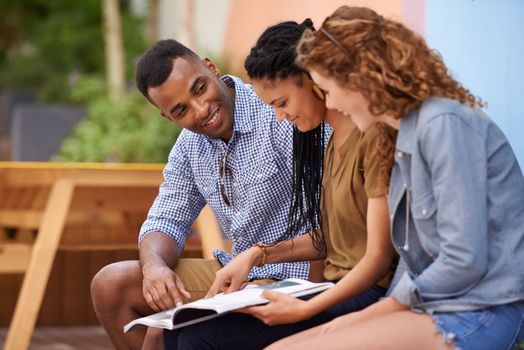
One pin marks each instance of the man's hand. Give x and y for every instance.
(233, 276)
(162, 288)
(281, 309)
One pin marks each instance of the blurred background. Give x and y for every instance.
(67, 92)
(66, 67)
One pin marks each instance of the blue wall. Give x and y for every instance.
(482, 43)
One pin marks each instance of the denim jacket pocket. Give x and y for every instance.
(424, 211)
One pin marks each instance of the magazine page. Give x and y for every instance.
(161, 319)
(251, 295)
(205, 309)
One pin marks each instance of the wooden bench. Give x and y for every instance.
(38, 201)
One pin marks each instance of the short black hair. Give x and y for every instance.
(274, 54)
(155, 66)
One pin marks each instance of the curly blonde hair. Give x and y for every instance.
(391, 65)
(388, 63)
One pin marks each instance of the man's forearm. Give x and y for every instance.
(158, 248)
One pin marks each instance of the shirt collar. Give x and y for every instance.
(243, 99)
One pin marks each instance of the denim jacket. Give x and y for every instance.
(462, 235)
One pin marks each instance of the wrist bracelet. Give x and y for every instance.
(264, 255)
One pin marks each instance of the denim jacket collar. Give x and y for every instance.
(406, 134)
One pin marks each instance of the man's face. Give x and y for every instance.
(194, 98)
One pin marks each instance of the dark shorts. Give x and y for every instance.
(241, 331)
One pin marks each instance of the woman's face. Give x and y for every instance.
(349, 102)
(292, 99)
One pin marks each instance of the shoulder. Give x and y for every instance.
(442, 125)
(185, 139)
(438, 110)
(370, 138)
(186, 143)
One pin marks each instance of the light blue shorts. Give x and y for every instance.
(495, 328)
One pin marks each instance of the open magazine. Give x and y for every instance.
(205, 309)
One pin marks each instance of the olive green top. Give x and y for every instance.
(344, 201)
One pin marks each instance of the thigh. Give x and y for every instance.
(398, 330)
(197, 275)
(343, 316)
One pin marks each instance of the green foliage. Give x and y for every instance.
(130, 130)
(44, 45)
(57, 48)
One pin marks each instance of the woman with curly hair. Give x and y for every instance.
(353, 244)
(456, 196)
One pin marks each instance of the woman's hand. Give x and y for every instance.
(233, 276)
(281, 309)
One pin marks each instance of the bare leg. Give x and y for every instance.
(154, 339)
(338, 323)
(117, 296)
(397, 330)
(116, 291)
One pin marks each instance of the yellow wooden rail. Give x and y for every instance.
(48, 197)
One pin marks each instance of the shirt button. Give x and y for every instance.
(205, 189)
(400, 154)
(424, 212)
(235, 184)
(259, 176)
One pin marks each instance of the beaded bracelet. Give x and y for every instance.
(264, 255)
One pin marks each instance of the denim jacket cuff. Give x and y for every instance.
(406, 291)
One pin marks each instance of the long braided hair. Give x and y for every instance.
(273, 58)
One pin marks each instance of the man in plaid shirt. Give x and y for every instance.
(232, 155)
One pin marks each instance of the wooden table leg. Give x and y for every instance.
(40, 265)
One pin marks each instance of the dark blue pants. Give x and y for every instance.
(240, 331)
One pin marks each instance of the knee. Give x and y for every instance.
(111, 283)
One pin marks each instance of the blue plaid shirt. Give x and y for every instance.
(258, 182)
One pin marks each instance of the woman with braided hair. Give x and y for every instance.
(352, 234)
(456, 195)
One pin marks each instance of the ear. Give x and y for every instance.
(211, 66)
(317, 91)
(163, 115)
(300, 79)
(307, 78)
